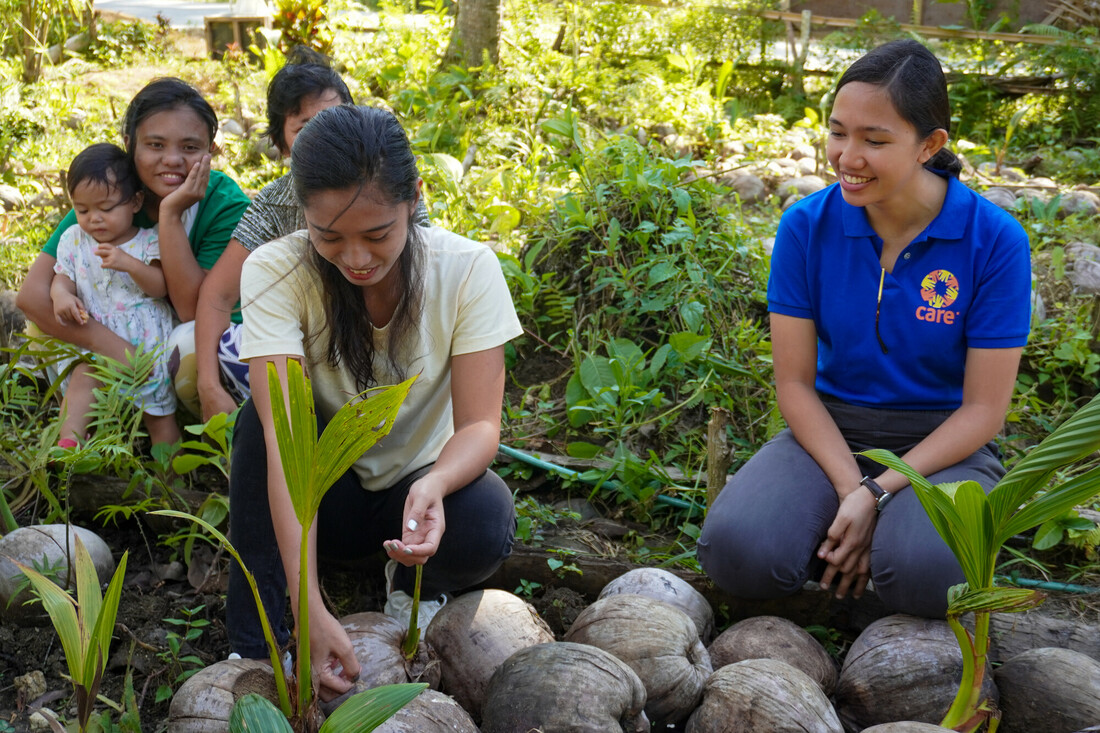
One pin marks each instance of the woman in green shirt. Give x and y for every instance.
(168, 130)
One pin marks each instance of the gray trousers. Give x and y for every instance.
(761, 536)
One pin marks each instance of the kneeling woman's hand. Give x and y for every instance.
(422, 523)
(847, 546)
(331, 653)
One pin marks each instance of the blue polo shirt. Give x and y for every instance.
(964, 282)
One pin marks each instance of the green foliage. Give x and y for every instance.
(181, 664)
(302, 23)
(117, 43)
(85, 625)
(975, 527)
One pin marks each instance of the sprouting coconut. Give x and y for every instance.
(661, 585)
(377, 639)
(430, 712)
(772, 637)
(763, 696)
(205, 701)
(1049, 689)
(901, 668)
(659, 642)
(474, 634)
(560, 686)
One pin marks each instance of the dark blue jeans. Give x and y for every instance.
(352, 523)
(761, 536)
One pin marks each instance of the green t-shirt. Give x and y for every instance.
(216, 218)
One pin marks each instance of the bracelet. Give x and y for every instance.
(882, 496)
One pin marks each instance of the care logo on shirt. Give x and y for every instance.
(938, 289)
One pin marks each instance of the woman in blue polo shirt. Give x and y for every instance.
(900, 304)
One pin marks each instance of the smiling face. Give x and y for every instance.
(101, 212)
(876, 154)
(310, 106)
(165, 146)
(359, 234)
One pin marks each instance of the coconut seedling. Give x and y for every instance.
(975, 527)
(311, 465)
(84, 624)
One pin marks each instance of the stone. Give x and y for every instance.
(802, 186)
(748, 187)
(30, 686)
(791, 201)
(232, 127)
(1012, 175)
(1042, 182)
(1000, 196)
(75, 120)
(1084, 203)
(803, 150)
(10, 197)
(807, 166)
(44, 546)
(662, 129)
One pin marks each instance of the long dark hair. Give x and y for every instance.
(913, 80)
(164, 94)
(106, 164)
(359, 148)
(305, 74)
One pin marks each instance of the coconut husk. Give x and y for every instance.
(430, 712)
(659, 642)
(205, 701)
(772, 637)
(763, 696)
(377, 640)
(902, 668)
(474, 634)
(907, 726)
(1050, 690)
(561, 687)
(661, 585)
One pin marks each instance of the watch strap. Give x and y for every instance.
(882, 496)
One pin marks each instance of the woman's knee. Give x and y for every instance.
(744, 563)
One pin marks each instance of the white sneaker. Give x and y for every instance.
(288, 661)
(399, 603)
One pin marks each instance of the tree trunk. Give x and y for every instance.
(476, 33)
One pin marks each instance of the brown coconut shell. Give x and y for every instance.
(561, 687)
(659, 642)
(377, 640)
(763, 696)
(1053, 690)
(772, 637)
(902, 668)
(205, 701)
(907, 726)
(473, 635)
(661, 585)
(430, 712)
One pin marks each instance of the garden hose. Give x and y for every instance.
(1015, 579)
(691, 507)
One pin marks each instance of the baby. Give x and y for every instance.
(109, 270)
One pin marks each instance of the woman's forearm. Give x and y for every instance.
(182, 273)
(466, 455)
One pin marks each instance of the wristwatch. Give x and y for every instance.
(882, 496)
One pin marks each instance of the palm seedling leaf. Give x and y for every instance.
(1072, 441)
(369, 709)
(296, 431)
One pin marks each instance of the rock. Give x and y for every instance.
(1042, 195)
(30, 686)
(1012, 175)
(730, 148)
(232, 127)
(802, 186)
(11, 197)
(1042, 182)
(807, 166)
(768, 243)
(662, 130)
(44, 547)
(1000, 196)
(750, 189)
(804, 150)
(11, 318)
(1085, 276)
(1085, 203)
(678, 146)
(75, 120)
(1054, 690)
(39, 721)
(791, 201)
